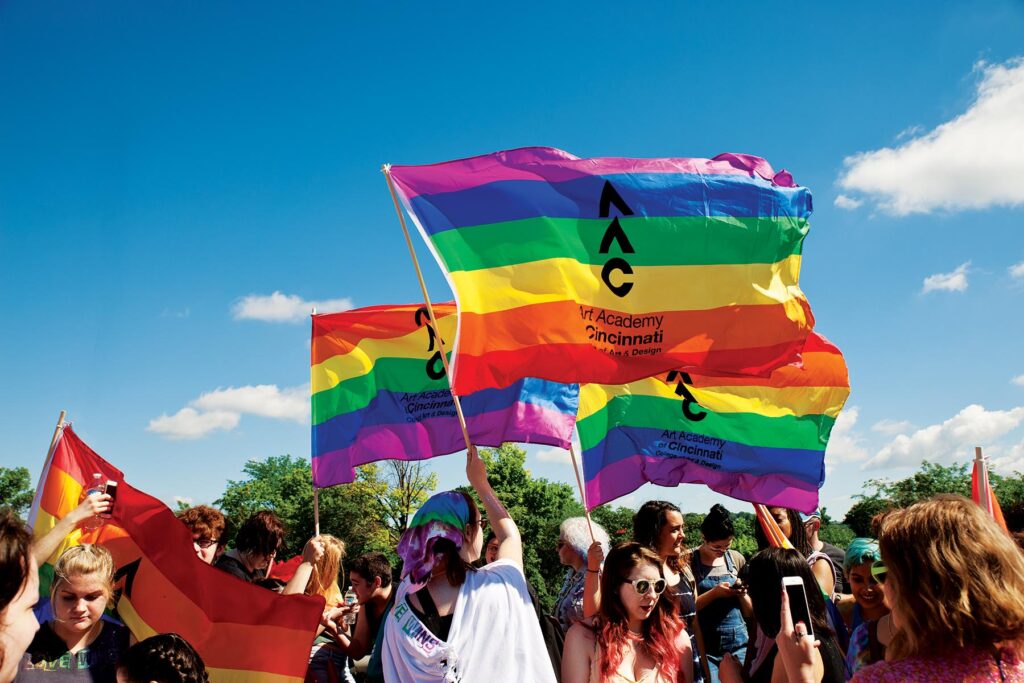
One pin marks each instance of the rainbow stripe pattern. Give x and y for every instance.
(611, 270)
(379, 391)
(756, 439)
(242, 632)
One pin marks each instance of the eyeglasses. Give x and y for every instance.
(641, 586)
(559, 544)
(205, 543)
(480, 522)
(879, 570)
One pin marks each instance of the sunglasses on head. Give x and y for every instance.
(641, 586)
(878, 571)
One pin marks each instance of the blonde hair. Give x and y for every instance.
(79, 560)
(324, 579)
(957, 578)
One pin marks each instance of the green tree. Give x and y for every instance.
(400, 490)
(930, 480)
(352, 512)
(617, 521)
(16, 490)
(538, 507)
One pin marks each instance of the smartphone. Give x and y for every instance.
(110, 490)
(798, 605)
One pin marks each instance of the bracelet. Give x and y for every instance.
(593, 571)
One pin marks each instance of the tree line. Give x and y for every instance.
(371, 513)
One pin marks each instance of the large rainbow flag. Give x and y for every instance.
(756, 439)
(611, 270)
(243, 632)
(380, 391)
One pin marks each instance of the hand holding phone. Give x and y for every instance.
(798, 605)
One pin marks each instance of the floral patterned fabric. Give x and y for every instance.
(569, 605)
(967, 666)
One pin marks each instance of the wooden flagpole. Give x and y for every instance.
(53, 441)
(426, 298)
(316, 510)
(37, 498)
(583, 494)
(316, 493)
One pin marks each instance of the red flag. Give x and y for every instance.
(241, 631)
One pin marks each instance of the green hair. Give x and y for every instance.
(861, 550)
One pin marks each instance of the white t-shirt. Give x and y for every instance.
(494, 636)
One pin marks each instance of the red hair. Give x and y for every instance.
(660, 629)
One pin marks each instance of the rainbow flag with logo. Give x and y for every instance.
(756, 439)
(380, 391)
(242, 632)
(611, 270)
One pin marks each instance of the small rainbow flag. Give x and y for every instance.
(756, 439)
(981, 490)
(380, 391)
(611, 270)
(242, 632)
(771, 528)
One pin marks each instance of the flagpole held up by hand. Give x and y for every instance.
(426, 298)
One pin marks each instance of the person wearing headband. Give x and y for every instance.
(453, 622)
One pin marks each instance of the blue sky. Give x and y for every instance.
(166, 168)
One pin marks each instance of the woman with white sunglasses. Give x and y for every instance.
(638, 637)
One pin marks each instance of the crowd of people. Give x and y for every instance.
(938, 595)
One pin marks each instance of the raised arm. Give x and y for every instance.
(510, 544)
(93, 504)
(311, 554)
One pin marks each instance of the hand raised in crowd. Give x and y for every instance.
(797, 648)
(94, 504)
(313, 550)
(476, 469)
(595, 556)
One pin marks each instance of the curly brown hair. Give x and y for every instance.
(204, 522)
(955, 577)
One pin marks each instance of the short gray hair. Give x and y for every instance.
(576, 533)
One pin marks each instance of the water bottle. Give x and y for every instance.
(350, 599)
(96, 486)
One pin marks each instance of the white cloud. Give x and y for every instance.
(189, 424)
(284, 308)
(181, 314)
(266, 400)
(848, 203)
(974, 161)
(844, 445)
(222, 409)
(955, 281)
(1017, 271)
(1011, 461)
(892, 427)
(558, 456)
(1018, 380)
(957, 436)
